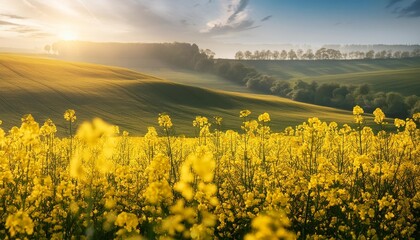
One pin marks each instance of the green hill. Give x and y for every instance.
(400, 75)
(47, 87)
(184, 63)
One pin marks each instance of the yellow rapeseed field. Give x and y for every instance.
(317, 180)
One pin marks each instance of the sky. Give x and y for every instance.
(221, 25)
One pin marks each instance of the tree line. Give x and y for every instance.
(325, 94)
(323, 54)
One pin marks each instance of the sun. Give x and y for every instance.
(68, 35)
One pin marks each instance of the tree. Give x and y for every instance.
(210, 54)
(283, 55)
(256, 55)
(47, 48)
(269, 54)
(54, 48)
(415, 52)
(364, 89)
(248, 55)
(281, 88)
(334, 54)
(263, 54)
(324, 93)
(276, 55)
(382, 54)
(223, 69)
(309, 54)
(396, 107)
(405, 54)
(321, 54)
(292, 54)
(370, 54)
(397, 54)
(239, 55)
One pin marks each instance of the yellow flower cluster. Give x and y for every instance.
(316, 180)
(70, 115)
(20, 223)
(165, 121)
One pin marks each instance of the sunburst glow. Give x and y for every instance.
(68, 35)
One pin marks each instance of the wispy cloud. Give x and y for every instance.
(412, 10)
(392, 3)
(28, 31)
(40, 35)
(266, 18)
(24, 29)
(7, 23)
(405, 8)
(235, 18)
(12, 16)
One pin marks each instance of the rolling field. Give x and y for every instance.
(196, 79)
(400, 75)
(46, 88)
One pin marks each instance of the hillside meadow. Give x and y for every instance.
(46, 87)
(399, 75)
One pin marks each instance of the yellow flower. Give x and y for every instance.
(204, 166)
(48, 128)
(379, 116)
(218, 120)
(200, 121)
(416, 117)
(74, 208)
(389, 215)
(158, 192)
(399, 123)
(250, 126)
(410, 125)
(270, 226)
(110, 203)
(244, 113)
(357, 110)
(70, 115)
(164, 120)
(20, 222)
(127, 220)
(265, 117)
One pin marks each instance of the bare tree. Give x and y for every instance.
(239, 55)
(47, 48)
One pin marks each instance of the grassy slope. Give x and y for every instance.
(401, 75)
(46, 88)
(192, 78)
(174, 74)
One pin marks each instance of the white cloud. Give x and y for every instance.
(235, 17)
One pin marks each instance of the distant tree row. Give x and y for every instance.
(322, 54)
(51, 49)
(325, 94)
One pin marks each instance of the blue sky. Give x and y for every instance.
(216, 24)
